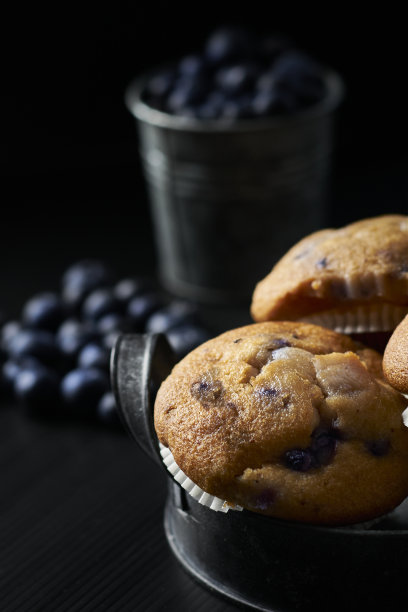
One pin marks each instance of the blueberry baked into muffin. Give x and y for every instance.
(290, 420)
(352, 279)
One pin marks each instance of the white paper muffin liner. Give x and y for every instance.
(405, 413)
(360, 319)
(212, 502)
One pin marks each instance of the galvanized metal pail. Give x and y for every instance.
(229, 198)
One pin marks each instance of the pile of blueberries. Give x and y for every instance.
(55, 357)
(238, 76)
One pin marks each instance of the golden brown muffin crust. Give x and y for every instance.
(290, 420)
(366, 261)
(395, 363)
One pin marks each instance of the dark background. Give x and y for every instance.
(77, 529)
(71, 181)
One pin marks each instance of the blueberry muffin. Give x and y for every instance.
(353, 279)
(290, 420)
(395, 362)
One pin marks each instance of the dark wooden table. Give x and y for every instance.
(81, 524)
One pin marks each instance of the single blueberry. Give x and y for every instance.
(108, 341)
(94, 356)
(12, 367)
(379, 447)
(266, 81)
(299, 459)
(212, 106)
(186, 337)
(192, 66)
(141, 307)
(268, 392)
(158, 87)
(82, 278)
(276, 101)
(107, 411)
(265, 499)
(128, 288)
(36, 343)
(113, 322)
(266, 103)
(72, 335)
(208, 111)
(207, 391)
(8, 331)
(99, 303)
(228, 44)
(298, 74)
(38, 389)
(81, 390)
(44, 311)
(9, 371)
(170, 316)
(322, 263)
(186, 92)
(237, 79)
(239, 108)
(323, 448)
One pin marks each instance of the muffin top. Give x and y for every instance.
(290, 420)
(363, 263)
(395, 362)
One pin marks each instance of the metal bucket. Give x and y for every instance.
(228, 199)
(253, 560)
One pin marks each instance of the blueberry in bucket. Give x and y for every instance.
(235, 63)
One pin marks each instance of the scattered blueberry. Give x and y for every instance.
(38, 389)
(35, 343)
(113, 322)
(61, 367)
(109, 340)
(94, 356)
(141, 307)
(82, 389)
(72, 335)
(99, 303)
(128, 288)
(82, 278)
(44, 311)
(8, 331)
(170, 316)
(186, 337)
(9, 371)
(107, 411)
